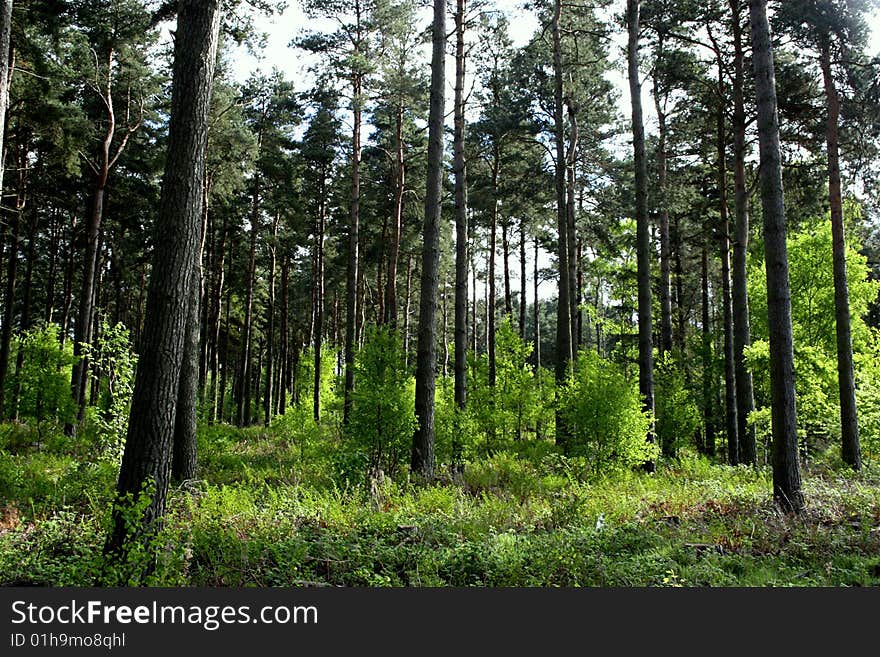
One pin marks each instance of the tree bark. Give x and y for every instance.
(490, 274)
(25, 321)
(390, 314)
(184, 461)
(730, 417)
(5, 46)
(245, 388)
(522, 278)
(423, 440)
(849, 422)
(745, 397)
(146, 461)
(663, 202)
(564, 355)
(268, 409)
(708, 443)
(786, 466)
(352, 278)
(461, 220)
(12, 275)
(571, 226)
(318, 312)
(643, 238)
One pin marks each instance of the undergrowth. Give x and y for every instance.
(270, 512)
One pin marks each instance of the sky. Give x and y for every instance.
(281, 30)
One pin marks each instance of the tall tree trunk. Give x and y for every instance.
(505, 255)
(461, 223)
(571, 226)
(5, 46)
(25, 320)
(742, 338)
(537, 313)
(407, 307)
(423, 440)
(224, 372)
(12, 275)
(474, 328)
(353, 275)
(217, 310)
(444, 335)
(285, 334)
(245, 388)
(786, 466)
(148, 447)
(318, 313)
(522, 278)
(643, 241)
(849, 422)
(665, 268)
(399, 186)
(69, 268)
(270, 327)
(730, 418)
(184, 458)
(54, 248)
(490, 274)
(708, 442)
(564, 354)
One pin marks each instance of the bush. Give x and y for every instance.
(382, 418)
(113, 359)
(604, 413)
(519, 402)
(678, 416)
(43, 382)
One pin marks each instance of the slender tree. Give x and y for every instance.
(786, 466)
(422, 462)
(745, 396)
(643, 243)
(461, 218)
(146, 462)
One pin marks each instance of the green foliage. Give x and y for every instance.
(514, 521)
(304, 381)
(44, 379)
(678, 415)
(456, 432)
(520, 402)
(114, 361)
(382, 418)
(604, 411)
(815, 346)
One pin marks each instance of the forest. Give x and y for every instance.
(440, 293)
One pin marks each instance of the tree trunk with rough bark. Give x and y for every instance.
(643, 237)
(786, 465)
(461, 220)
(564, 354)
(730, 418)
(146, 461)
(422, 463)
(849, 421)
(742, 333)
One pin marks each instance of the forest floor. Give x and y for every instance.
(268, 514)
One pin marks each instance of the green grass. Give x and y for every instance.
(270, 512)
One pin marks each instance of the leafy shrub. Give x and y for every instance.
(678, 416)
(43, 382)
(520, 402)
(813, 328)
(382, 418)
(604, 412)
(113, 359)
